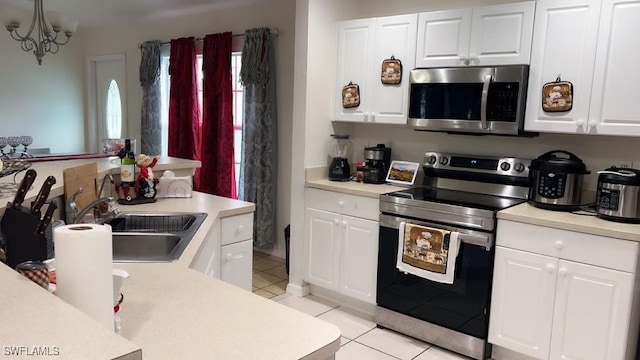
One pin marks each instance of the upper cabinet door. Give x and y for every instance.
(564, 43)
(501, 34)
(355, 54)
(395, 36)
(616, 82)
(443, 38)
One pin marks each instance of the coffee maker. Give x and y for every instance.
(339, 169)
(377, 160)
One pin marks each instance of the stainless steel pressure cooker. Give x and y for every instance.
(618, 196)
(556, 179)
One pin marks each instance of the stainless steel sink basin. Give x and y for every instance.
(153, 236)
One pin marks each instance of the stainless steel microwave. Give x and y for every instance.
(477, 100)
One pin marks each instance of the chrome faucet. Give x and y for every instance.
(103, 214)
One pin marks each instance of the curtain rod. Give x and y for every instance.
(274, 31)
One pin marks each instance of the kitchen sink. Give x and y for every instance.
(153, 236)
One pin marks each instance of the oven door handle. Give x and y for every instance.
(483, 101)
(477, 238)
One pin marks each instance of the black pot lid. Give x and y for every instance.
(622, 176)
(551, 162)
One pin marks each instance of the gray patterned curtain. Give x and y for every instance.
(258, 169)
(150, 131)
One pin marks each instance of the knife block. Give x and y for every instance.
(20, 229)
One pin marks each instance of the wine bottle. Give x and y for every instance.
(127, 164)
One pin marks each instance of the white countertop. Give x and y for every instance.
(170, 311)
(530, 214)
(105, 165)
(353, 187)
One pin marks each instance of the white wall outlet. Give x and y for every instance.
(627, 164)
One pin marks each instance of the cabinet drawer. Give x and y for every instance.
(585, 248)
(346, 204)
(237, 228)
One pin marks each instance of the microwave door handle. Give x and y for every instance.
(483, 103)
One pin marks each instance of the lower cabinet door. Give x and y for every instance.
(321, 248)
(592, 311)
(237, 263)
(358, 258)
(522, 301)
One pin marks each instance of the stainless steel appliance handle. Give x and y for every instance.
(483, 103)
(621, 173)
(466, 236)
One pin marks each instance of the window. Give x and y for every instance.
(238, 98)
(113, 111)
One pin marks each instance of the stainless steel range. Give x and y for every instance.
(460, 193)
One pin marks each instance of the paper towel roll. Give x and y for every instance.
(84, 269)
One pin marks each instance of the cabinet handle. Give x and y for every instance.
(473, 57)
(559, 245)
(341, 204)
(592, 123)
(462, 57)
(550, 268)
(373, 116)
(344, 224)
(580, 122)
(239, 229)
(336, 221)
(366, 116)
(231, 257)
(563, 272)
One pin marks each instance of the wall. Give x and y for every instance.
(42, 101)
(280, 14)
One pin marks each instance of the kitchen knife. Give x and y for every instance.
(42, 195)
(26, 183)
(46, 220)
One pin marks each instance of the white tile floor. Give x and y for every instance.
(361, 339)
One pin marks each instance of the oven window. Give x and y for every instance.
(461, 306)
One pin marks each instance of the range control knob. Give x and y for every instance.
(444, 160)
(519, 167)
(505, 166)
(432, 159)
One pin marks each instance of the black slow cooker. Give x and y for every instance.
(618, 196)
(556, 179)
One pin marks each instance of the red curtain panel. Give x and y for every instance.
(184, 110)
(217, 175)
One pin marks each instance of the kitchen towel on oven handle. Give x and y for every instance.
(425, 252)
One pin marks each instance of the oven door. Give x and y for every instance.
(472, 100)
(461, 306)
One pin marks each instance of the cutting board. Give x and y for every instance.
(85, 177)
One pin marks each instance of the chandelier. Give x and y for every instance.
(42, 36)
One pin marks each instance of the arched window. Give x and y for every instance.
(113, 111)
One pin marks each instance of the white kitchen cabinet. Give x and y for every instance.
(341, 251)
(362, 47)
(227, 251)
(616, 80)
(524, 285)
(358, 258)
(321, 250)
(589, 43)
(481, 36)
(563, 295)
(236, 265)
